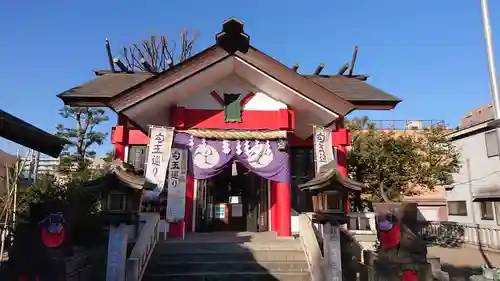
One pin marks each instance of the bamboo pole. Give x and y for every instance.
(11, 193)
(6, 221)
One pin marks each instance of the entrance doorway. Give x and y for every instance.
(234, 200)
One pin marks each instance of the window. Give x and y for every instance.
(486, 210)
(302, 166)
(457, 208)
(491, 143)
(137, 156)
(116, 201)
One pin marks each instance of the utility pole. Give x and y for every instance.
(491, 58)
(490, 52)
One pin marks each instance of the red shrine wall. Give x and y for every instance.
(259, 111)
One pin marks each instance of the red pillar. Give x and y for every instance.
(274, 207)
(120, 138)
(120, 151)
(284, 209)
(189, 203)
(342, 167)
(342, 154)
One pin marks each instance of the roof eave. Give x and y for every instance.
(375, 104)
(87, 101)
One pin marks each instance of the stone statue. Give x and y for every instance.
(37, 252)
(402, 255)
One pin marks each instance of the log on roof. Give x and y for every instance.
(23, 133)
(329, 175)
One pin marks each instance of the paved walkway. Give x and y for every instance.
(463, 262)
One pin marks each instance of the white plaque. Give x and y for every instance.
(234, 199)
(176, 192)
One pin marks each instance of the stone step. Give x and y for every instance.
(157, 267)
(231, 276)
(221, 256)
(226, 247)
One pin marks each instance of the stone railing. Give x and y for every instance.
(312, 246)
(143, 248)
(455, 234)
(361, 227)
(361, 222)
(361, 235)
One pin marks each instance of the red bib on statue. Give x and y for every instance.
(390, 239)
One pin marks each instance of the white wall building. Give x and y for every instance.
(474, 197)
(48, 165)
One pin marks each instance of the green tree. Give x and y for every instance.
(394, 165)
(109, 156)
(76, 158)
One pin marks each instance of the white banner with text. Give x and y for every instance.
(323, 150)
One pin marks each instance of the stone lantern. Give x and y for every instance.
(121, 191)
(330, 191)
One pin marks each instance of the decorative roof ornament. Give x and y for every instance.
(233, 38)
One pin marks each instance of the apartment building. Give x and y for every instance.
(48, 165)
(474, 197)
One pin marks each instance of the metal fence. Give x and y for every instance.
(407, 124)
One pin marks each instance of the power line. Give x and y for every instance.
(476, 179)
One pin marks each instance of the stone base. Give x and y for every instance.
(393, 271)
(479, 278)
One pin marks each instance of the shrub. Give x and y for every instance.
(78, 202)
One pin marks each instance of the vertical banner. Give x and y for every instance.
(176, 192)
(159, 149)
(323, 150)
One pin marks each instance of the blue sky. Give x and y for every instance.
(429, 53)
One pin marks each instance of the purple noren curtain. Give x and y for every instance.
(207, 158)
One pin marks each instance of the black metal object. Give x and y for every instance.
(23, 133)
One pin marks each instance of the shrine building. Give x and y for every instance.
(245, 121)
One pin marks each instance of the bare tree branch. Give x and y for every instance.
(160, 54)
